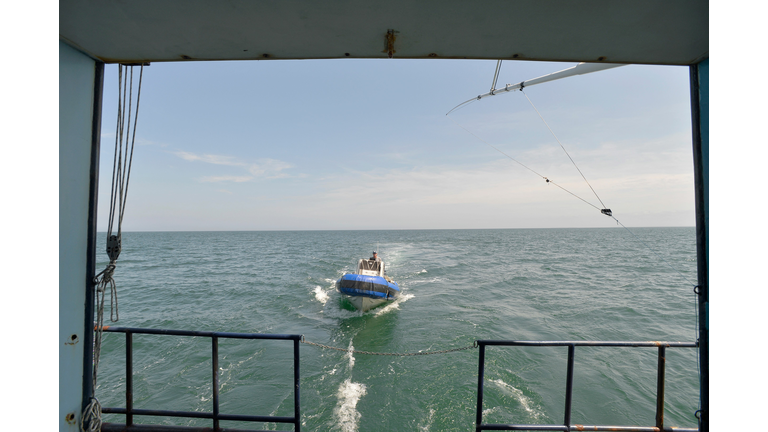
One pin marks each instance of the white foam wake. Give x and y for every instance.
(346, 413)
(351, 357)
(394, 305)
(516, 393)
(429, 420)
(321, 295)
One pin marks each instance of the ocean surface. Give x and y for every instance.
(458, 286)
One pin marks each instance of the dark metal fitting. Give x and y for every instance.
(697, 289)
(113, 247)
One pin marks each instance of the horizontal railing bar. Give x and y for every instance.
(200, 414)
(631, 429)
(522, 427)
(117, 427)
(654, 344)
(251, 418)
(201, 333)
(582, 428)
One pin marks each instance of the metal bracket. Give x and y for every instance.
(391, 43)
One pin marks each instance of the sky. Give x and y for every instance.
(366, 144)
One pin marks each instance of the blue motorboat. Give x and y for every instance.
(369, 286)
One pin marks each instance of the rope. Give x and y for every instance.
(561, 146)
(92, 417)
(121, 174)
(522, 165)
(420, 353)
(101, 288)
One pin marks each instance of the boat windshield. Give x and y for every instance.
(370, 265)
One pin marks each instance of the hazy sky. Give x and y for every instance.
(366, 144)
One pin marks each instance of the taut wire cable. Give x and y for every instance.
(521, 164)
(562, 147)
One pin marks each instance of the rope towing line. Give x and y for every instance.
(121, 173)
(419, 353)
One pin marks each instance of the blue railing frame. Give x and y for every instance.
(216, 416)
(567, 426)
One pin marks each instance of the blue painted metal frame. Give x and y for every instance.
(216, 416)
(567, 426)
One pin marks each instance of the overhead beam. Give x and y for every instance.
(631, 31)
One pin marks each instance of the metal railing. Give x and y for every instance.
(215, 415)
(567, 426)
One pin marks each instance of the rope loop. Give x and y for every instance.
(92, 417)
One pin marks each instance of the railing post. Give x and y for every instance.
(296, 399)
(480, 378)
(569, 386)
(660, 387)
(215, 367)
(128, 378)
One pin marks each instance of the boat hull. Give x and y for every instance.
(366, 292)
(364, 304)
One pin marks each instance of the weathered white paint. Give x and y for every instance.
(76, 85)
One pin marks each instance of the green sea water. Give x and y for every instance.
(457, 286)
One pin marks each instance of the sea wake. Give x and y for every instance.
(321, 295)
(392, 306)
(525, 402)
(347, 416)
(429, 420)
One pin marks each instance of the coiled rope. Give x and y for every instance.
(121, 174)
(420, 353)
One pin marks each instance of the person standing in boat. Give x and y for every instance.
(375, 257)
